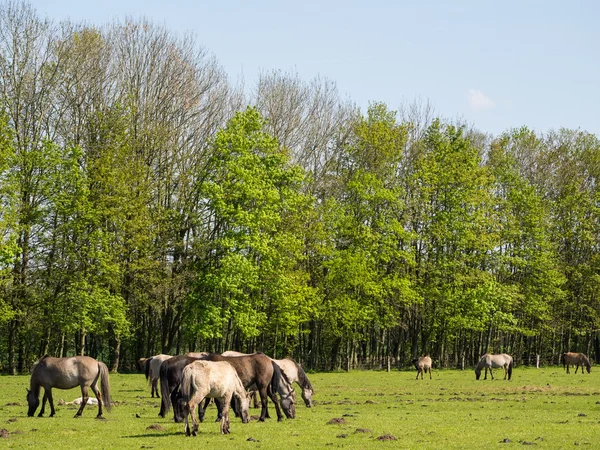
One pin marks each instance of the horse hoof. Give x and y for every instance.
(77, 416)
(100, 417)
(40, 415)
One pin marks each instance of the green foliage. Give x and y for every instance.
(249, 277)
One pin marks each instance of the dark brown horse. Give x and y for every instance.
(67, 373)
(171, 371)
(576, 359)
(260, 371)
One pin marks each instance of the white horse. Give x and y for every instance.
(212, 379)
(489, 361)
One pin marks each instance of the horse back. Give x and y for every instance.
(65, 373)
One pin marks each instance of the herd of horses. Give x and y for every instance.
(189, 382)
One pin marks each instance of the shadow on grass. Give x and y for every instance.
(155, 435)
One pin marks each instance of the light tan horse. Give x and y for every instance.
(489, 361)
(212, 379)
(576, 359)
(67, 373)
(422, 364)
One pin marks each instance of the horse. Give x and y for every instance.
(152, 371)
(577, 359)
(170, 373)
(67, 373)
(422, 364)
(296, 374)
(259, 370)
(490, 361)
(212, 379)
(293, 371)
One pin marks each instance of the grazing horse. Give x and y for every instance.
(152, 371)
(577, 359)
(170, 373)
(212, 379)
(296, 374)
(67, 373)
(293, 371)
(422, 364)
(258, 370)
(490, 361)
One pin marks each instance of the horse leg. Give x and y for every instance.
(202, 409)
(491, 373)
(277, 408)
(219, 406)
(225, 413)
(264, 403)
(51, 401)
(485, 376)
(577, 368)
(96, 392)
(430, 373)
(84, 399)
(43, 403)
(255, 398)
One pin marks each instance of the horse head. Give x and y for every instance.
(243, 406)
(477, 373)
(307, 394)
(33, 401)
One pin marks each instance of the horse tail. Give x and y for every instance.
(147, 368)
(187, 387)
(104, 385)
(164, 389)
(510, 368)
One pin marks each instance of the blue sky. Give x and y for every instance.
(497, 64)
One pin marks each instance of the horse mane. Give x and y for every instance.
(304, 381)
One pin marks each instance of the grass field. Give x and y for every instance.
(545, 408)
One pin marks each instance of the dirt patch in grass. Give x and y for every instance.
(3, 433)
(387, 437)
(156, 427)
(362, 430)
(337, 421)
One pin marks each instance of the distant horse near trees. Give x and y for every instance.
(67, 373)
(212, 379)
(489, 361)
(422, 364)
(576, 359)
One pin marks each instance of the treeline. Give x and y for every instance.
(145, 208)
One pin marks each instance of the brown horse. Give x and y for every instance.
(577, 359)
(260, 371)
(212, 379)
(67, 373)
(293, 371)
(422, 364)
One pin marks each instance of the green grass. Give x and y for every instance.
(545, 407)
